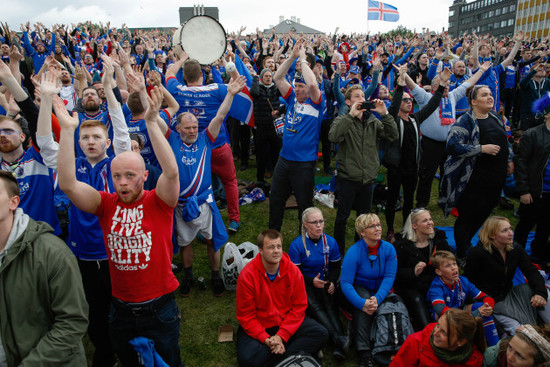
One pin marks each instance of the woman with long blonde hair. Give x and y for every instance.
(491, 266)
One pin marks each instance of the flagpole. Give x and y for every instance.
(367, 16)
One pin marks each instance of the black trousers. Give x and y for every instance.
(322, 307)
(433, 157)
(537, 213)
(97, 287)
(417, 305)
(350, 194)
(326, 144)
(474, 206)
(268, 145)
(396, 179)
(290, 176)
(309, 338)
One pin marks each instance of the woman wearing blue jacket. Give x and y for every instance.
(368, 273)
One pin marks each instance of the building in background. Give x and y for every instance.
(494, 17)
(533, 18)
(292, 24)
(190, 11)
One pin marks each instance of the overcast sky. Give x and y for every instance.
(350, 15)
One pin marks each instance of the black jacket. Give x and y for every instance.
(530, 161)
(392, 151)
(266, 99)
(407, 258)
(492, 275)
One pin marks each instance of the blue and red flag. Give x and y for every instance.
(382, 11)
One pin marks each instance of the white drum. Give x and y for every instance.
(202, 38)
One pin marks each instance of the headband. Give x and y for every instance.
(540, 342)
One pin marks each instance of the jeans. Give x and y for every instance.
(308, 339)
(362, 322)
(433, 156)
(290, 176)
(157, 320)
(350, 194)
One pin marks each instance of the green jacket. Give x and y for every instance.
(43, 310)
(357, 155)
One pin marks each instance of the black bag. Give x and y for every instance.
(390, 328)
(299, 360)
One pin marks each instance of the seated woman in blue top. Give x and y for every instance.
(368, 273)
(318, 257)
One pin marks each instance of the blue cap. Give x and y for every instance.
(355, 69)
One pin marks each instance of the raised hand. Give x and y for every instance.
(49, 83)
(154, 78)
(108, 71)
(14, 54)
(155, 101)
(485, 66)
(136, 82)
(445, 75)
(235, 86)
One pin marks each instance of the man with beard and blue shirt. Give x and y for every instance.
(196, 211)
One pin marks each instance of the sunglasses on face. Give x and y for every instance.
(407, 100)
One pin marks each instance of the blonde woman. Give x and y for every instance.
(318, 257)
(368, 272)
(491, 266)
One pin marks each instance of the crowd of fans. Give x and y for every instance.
(118, 149)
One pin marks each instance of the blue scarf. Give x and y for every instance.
(446, 111)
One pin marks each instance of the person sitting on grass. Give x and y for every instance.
(449, 289)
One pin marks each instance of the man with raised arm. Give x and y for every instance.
(85, 235)
(137, 230)
(295, 168)
(36, 181)
(203, 101)
(197, 211)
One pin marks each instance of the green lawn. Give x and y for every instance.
(202, 313)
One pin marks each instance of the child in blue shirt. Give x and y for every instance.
(450, 290)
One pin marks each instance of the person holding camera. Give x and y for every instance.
(357, 134)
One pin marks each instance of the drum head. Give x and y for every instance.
(202, 37)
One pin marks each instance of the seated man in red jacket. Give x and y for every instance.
(271, 305)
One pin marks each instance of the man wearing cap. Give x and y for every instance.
(37, 53)
(532, 174)
(296, 166)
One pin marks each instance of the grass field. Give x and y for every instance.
(202, 313)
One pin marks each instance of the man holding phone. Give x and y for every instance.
(356, 134)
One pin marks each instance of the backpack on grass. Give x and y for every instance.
(390, 328)
(299, 360)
